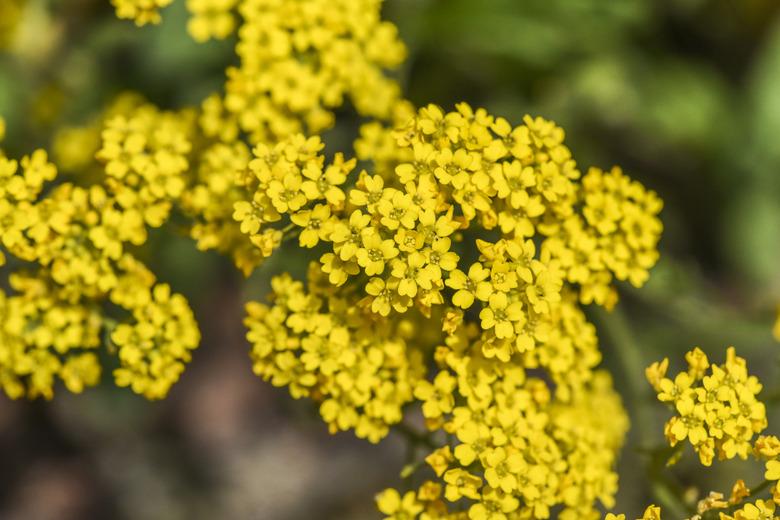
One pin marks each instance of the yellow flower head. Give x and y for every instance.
(716, 406)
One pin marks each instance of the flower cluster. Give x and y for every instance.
(505, 376)
(616, 235)
(140, 11)
(75, 279)
(446, 278)
(515, 450)
(146, 156)
(211, 19)
(298, 61)
(362, 368)
(717, 410)
(153, 349)
(716, 406)
(44, 336)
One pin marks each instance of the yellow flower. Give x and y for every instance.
(475, 438)
(461, 483)
(317, 224)
(412, 273)
(440, 460)
(375, 252)
(493, 505)
(652, 513)
(396, 507)
(324, 184)
(772, 470)
(502, 469)
(210, 19)
(468, 287)
(437, 397)
(369, 191)
(501, 315)
(286, 194)
(511, 182)
(347, 237)
(397, 209)
(761, 510)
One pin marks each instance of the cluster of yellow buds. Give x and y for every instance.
(211, 19)
(141, 11)
(298, 61)
(69, 248)
(512, 441)
(361, 369)
(716, 405)
(717, 411)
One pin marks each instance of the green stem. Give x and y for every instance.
(416, 438)
(760, 488)
(109, 324)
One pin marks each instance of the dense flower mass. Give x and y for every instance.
(362, 369)
(298, 61)
(717, 411)
(449, 259)
(69, 247)
(510, 440)
(716, 406)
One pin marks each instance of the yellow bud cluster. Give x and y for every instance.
(141, 11)
(154, 348)
(211, 19)
(79, 241)
(717, 411)
(518, 444)
(145, 156)
(44, 336)
(716, 406)
(360, 367)
(617, 237)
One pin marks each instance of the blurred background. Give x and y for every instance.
(683, 94)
